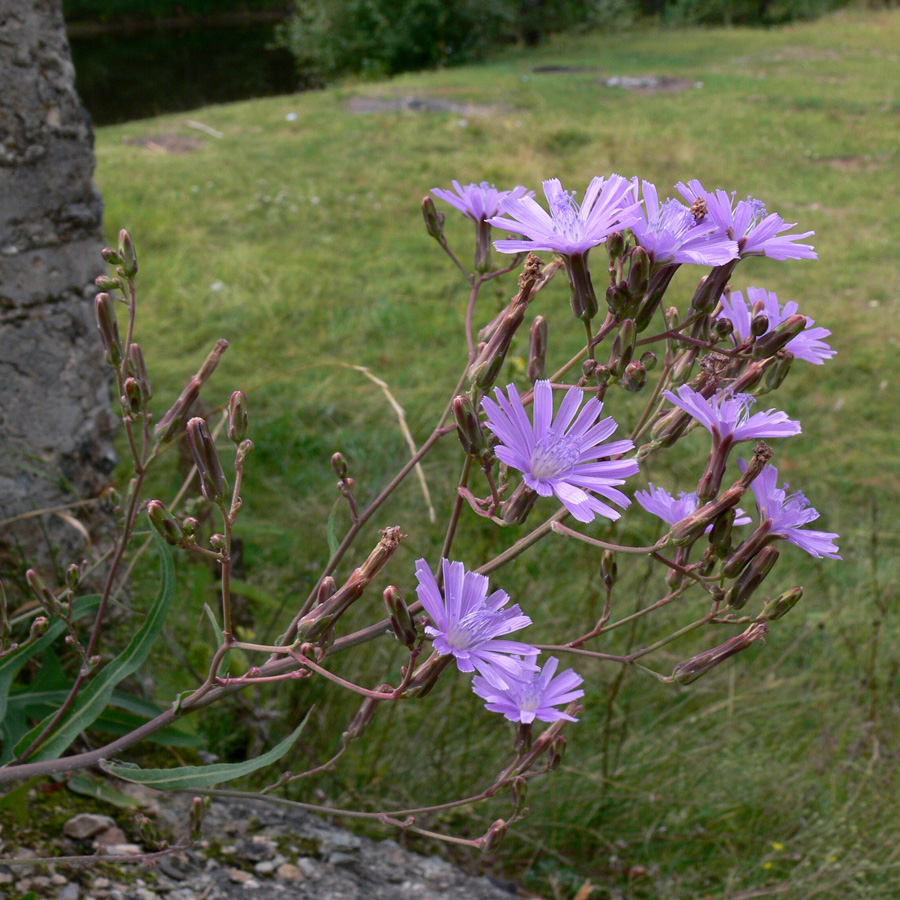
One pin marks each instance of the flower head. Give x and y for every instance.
(662, 504)
(570, 229)
(785, 515)
(479, 201)
(535, 695)
(727, 416)
(757, 232)
(467, 623)
(807, 345)
(562, 455)
(672, 234)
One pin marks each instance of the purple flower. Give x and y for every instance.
(672, 235)
(479, 201)
(559, 456)
(807, 345)
(468, 622)
(758, 233)
(534, 695)
(783, 515)
(570, 229)
(727, 416)
(662, 504)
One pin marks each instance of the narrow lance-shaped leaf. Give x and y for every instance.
(192, 777)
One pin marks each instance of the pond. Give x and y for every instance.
(144, 71)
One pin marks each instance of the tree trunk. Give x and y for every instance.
(55, 419)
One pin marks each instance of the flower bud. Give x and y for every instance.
(132, 399)
(109, 328)
(752, 577)
(602, 374)
(723, 327)
(167, 426)
(615, 245)
(519, 790)
(189, 526)
(199, 805)
(138, 370)
(490, 361)
(326, 590)
(492, 837)
(769, 344)
(720, 536)
(690, 670)
(581, 288)
(218, 541)
(398, 612)
(111, 256)
(537, 349)
(468, 428)
(434, 220)
(609, 570)
(617, 298)
(556, 752)
(360, 722)
(670, 426)
(782, 604)
(648, 358)
(635, 376)
(623, 346)
(759, 325)
(127, 254)
(39, 627)
(170, 531)
(73, 574)
(515, 510)
(237, 417)
(206, 459)
(47, 599)
(105, 283)
(776, 374)
(639, 272)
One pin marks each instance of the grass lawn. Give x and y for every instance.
(291, 226)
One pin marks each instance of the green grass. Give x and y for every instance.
(301, 242)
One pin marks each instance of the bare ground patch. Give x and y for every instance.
(165, 143)
(368, 105)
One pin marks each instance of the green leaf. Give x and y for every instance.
(10, 665)
(94, 698)
(100, 790)
(190, 777)
(331, 530)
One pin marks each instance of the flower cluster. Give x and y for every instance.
(470, 625)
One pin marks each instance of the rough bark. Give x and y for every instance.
(55, 420)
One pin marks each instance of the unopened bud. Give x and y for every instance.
(39, 627)
(492, 837)
(609, 570)
(602, 374)
(759, 325)
(170, 531)
(47, 599)
(105, 283)
(617, 298)
(635, 376)
(237, 417)
(776, 374)
(199, 806)
(723, 327)
(615, 245)
(111, 256)
(326, 590)
(769, 344)
(138, 369)
(468, 428)
(206, 459)
(752, 577)
(537, 349)
(109, 328)
(127, 254)
(515, 510)
(691, 669)
(73, 574)
(519, 790)
(190, 526)
(398, 612)
(434, 220)
(581, 288)
(132, 398)
(639, 272)
(720, 536)
(670, 426)
(218, 541)
(360, 722)
(490, 361)
(556, 752)
(167, 426)
(648, 358)
(623, 346)
(782, 604)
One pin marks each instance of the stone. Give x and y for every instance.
(111, 836)
(70, 892)
(86, 825)
(239, 876)
(288, 872)
(266, 867)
